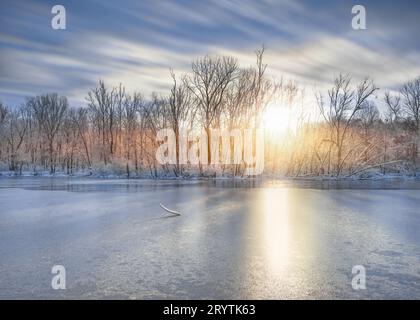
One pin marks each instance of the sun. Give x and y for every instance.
(278, 120)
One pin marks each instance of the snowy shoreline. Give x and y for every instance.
(371, 176)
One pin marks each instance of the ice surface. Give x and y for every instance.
(234, 240)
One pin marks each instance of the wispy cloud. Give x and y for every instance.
(137, 42)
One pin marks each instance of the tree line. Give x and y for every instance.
(116, 130)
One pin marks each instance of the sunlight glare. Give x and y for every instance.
(279, 120)
(275, 206)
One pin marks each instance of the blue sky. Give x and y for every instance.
(136, 42)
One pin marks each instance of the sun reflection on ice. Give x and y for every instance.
(276, 225)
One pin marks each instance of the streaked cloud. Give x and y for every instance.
(137, 42)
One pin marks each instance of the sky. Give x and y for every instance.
(137, 42)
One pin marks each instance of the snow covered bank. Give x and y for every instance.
(107, 173)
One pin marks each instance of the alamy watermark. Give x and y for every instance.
(359, 20)
(58, 281)
(58, 22)
(219, 147)
(358, 281)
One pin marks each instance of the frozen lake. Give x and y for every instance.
(234, 240)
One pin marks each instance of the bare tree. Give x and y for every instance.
(16, 126)
(69, 140)
(49, 110)
(104, 104)
(3, 113)
(80, 120)
(33, 138)
(208, 83)
(179, 102)
(116, 118)
(411, 102)
(131, 110)
(344, 102)
(393, 104)
(368, 116)
(153, 118)
(239, 99)
(263, 89)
